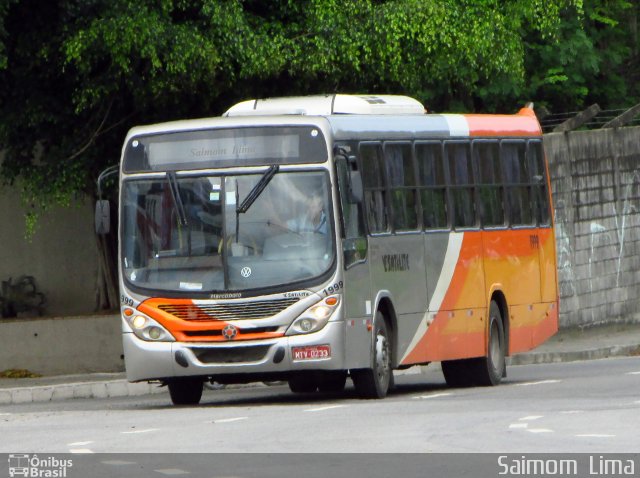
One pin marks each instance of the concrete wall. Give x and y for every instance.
(595, 178)
(62, 255)
(59, 346)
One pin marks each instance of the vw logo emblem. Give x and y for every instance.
(229, 332)
(245, 272)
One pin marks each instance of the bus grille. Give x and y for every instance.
(231, 355)
(243, 310)
(218, 333)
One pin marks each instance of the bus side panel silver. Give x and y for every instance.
(398, 266)
(435, 244)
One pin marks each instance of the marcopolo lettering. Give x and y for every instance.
(395, 262)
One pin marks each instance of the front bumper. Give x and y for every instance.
(162, 360)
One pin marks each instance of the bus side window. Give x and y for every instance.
(402, 182)
(539, 182)
(432, 185)
(461, 184)
(517, 179)
(486, 155)
(374, 190)
(354, 243)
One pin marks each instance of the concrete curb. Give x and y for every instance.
(65, 391)
(122, 388)
(574, 356)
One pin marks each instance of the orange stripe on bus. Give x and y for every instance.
(503, 125)
(181, 328)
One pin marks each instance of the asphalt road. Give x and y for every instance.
(579, 407)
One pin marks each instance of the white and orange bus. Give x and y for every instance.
(314, 239)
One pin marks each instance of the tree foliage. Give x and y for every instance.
(77, 74)
(595, 60)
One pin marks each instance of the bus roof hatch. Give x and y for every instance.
(322, 105)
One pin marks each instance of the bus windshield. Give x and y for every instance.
(189, 234)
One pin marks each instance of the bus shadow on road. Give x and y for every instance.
(279, 394)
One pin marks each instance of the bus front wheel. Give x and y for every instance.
(332, 381)
(303, 382)
(374, 382)
(185, 391)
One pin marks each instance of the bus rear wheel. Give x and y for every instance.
(492, 368)
(374, 382)
(484, 371)
(185, 391)
(459, 373)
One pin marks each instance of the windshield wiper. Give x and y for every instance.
(257, 189)
(177, 198)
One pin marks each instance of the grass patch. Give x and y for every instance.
(18, 373)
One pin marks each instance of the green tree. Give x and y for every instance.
(77, 74)
(595, 60)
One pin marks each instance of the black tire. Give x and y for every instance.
(303, 383)
(458, 373)
(333, 381)
(185, 391)
(485, 371)
(374, 382)
(491, 369)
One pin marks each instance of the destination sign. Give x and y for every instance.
(223, 148)
(236, 149)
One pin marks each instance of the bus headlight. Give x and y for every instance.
(148, 329)
(315, 317)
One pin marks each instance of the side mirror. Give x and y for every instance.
(102, 217)
(355, 187)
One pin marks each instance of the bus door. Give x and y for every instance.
(355, 283)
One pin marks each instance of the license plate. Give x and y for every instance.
(313, 352)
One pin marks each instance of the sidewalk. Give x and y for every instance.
(566, 346)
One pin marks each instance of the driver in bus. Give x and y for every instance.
(313, 219)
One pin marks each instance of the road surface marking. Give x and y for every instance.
(140, 431)
(595, 435)
(81, 451)
(568, 412)
(436, 395)
(228, 420)
(541, 382)
(633, 373)
(539, 430)
(530, 417)
(117, 462)
(519, 425)
(172, 471)
(322, 409)
(4, 414)
(80, 443)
